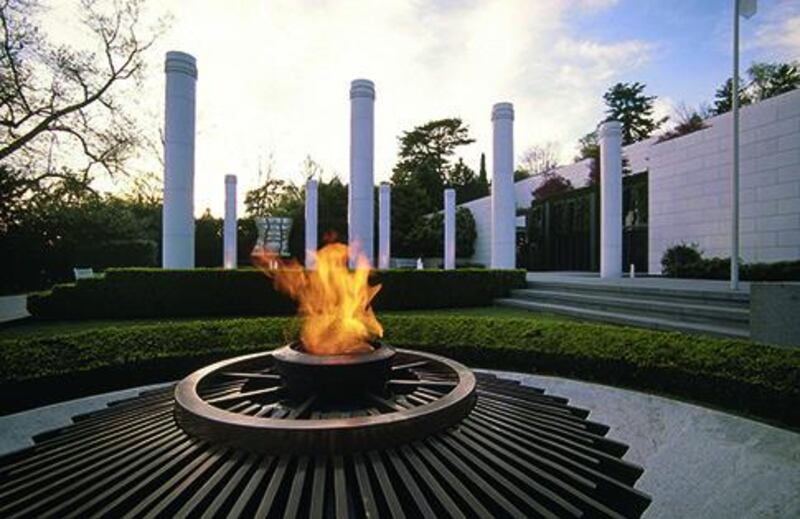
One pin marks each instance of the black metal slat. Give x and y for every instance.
(520, 453)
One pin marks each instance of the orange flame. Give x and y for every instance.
(333, 301)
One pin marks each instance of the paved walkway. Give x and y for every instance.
(699, 463)
(13, 308)
(592, 278)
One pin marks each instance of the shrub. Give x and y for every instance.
(679, 259)
(118, 253)
(686, 261)
(427, 237)
(739, 375)
(134, 293)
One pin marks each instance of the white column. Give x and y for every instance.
(610, 137)
(229, 231)
(503, 204)
(362, 150)
(179, 122)
(385, 226)
(311, 224)
(449, 229)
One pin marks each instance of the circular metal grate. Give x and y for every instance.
(518, 453)
(244, 402)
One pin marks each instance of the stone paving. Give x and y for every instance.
(13, 308)
(698, 462)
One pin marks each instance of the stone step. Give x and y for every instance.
(628, 320)
(701, 294)
(671, 307)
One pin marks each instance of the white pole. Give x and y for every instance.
(503, 204)
(610, 137)
(385, 226)
(361, 197)
(449, 229)
(311, 224)
(177, 243)
(735, 177)
(229, 233)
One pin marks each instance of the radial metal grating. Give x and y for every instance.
(519, 453)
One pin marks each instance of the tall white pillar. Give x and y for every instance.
(610, 137)
(449, 229)
(311, 223)
(503, 204)
(179, 122)
(385, 225)
(360, 209)
(229, 231)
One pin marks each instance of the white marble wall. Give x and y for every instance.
(689, 186)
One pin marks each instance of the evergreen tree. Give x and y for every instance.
(628, 104)
(724, 97)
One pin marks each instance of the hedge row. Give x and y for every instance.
(687, 261)
(136, 293)
(759, 380)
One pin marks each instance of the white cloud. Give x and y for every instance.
(779, 30)
(274, 77)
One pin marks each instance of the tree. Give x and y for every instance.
(419, 176)
(724, 95)
(689, 121)
(483, 178)
(521, 174)
(425, 155)
(772, 79)
(539, 158)
(263, 200)
(427, 235)
(588, 148)
(56, 99)
(552, 184)
(467, 185)
(765, 80)
(627, 103)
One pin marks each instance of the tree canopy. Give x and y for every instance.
(627, 103)
(59, 102)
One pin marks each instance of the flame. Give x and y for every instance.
(333, 301)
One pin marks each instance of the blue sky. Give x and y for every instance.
(692, 40)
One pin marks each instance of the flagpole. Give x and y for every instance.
(735, 178)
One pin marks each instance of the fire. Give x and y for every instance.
(333, 301)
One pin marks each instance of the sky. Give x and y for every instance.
(274, 75)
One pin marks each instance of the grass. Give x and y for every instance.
(62, 360)
(33, 328)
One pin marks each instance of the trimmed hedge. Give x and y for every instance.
(687, 261)
(136, 293)
(759, 380)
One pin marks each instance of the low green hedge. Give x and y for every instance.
(759, 380)
(687, 261)
(136, 293)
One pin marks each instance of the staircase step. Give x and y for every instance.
(719, 297)
(629, 320)
(673, 307)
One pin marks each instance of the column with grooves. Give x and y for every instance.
(311, 223)
(385, 226)
(610, 136)
(503, 204)
(179, 131)
(362, 151)
(229, 232)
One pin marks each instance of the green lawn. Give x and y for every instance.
(61, 360)
(31, 328)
